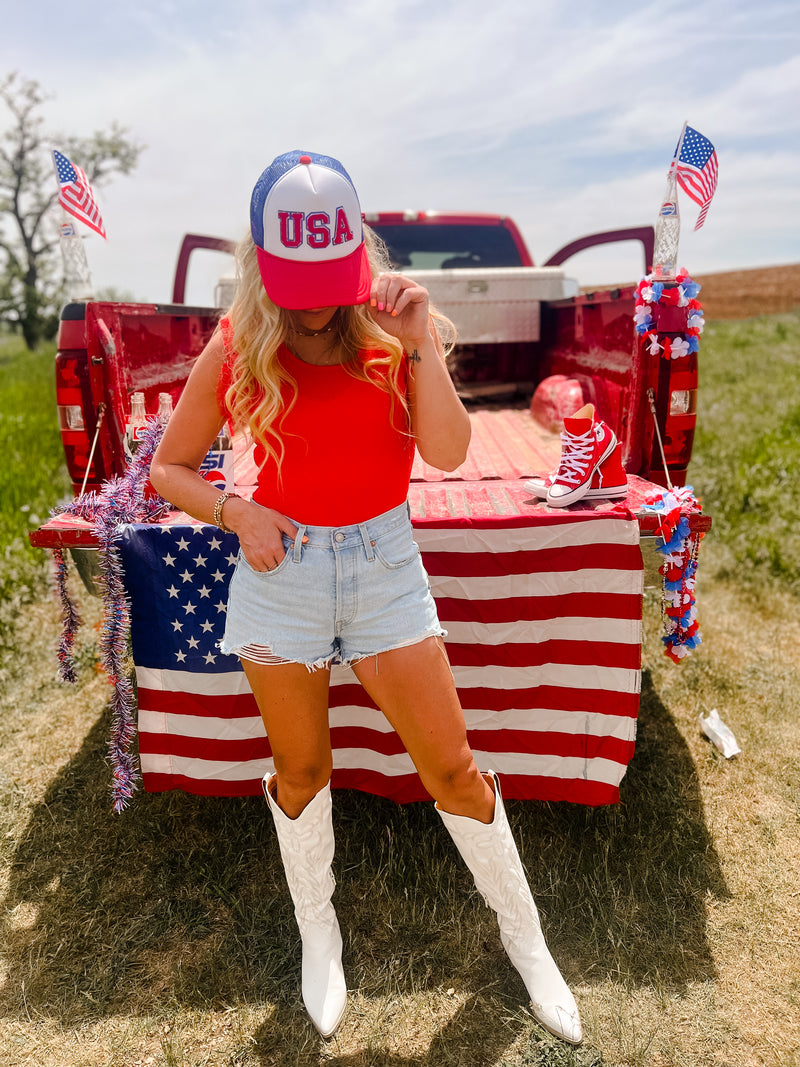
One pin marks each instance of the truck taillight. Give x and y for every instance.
(71, 397)
(681, 417)
(70, 417)
(683, 402)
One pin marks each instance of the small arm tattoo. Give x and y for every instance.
(415, 357)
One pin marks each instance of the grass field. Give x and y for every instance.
(28, 487)
(166, 937)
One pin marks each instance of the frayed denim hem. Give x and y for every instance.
(264, 656)
(437, 632)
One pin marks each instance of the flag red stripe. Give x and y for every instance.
(405, 789)
(575, 790)
(157, 782)
(551, 560)
(527, 742)
(165, 701)
(549, 697)
(530, 609)
(216, 749)
(607, 654)
(554, 697)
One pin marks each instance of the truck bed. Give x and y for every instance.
(508, 446)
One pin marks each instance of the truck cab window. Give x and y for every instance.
(444, 247)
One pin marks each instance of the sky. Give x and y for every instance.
(562, 115)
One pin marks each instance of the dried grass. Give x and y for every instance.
(166, 937)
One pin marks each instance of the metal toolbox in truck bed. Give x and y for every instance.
(495, 304)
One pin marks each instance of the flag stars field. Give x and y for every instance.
(190, 629)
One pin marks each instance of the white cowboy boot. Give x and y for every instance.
(306, 845)
(491, 855)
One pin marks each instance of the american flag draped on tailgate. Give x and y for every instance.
(543, 612)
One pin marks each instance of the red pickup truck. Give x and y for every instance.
(518, 326)
(542, 605)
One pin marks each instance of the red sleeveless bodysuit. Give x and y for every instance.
(347, 452)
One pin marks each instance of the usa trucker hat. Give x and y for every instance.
(305, 219)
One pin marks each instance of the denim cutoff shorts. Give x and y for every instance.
(346, 593)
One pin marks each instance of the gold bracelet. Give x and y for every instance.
(218, 506)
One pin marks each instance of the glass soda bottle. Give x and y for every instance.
(164, 408)
(667, 236)
(136, 425)
(217, 467)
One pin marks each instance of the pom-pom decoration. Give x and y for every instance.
(680, 547)
(121, 500)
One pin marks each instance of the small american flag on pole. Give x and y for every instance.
(75, 193)
(697, 168)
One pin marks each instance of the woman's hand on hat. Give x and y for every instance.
(400, 307)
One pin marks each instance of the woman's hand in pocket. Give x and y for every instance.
(260, 531)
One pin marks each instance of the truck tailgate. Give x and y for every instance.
(507, 447)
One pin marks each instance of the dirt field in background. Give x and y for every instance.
(740, 294)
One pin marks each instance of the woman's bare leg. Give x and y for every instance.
(414, 688)
(293, 702)
(294, 705)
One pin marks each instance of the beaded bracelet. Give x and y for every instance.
(218, 506)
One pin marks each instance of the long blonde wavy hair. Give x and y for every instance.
(254, 398)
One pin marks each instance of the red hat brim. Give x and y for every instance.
(336, 283)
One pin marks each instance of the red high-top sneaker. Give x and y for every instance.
(609, 481)
(585, 444)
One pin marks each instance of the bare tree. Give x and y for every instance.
(29, 287)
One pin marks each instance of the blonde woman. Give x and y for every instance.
(336, 369)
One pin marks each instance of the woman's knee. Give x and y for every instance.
(302, 779)
(456, 782)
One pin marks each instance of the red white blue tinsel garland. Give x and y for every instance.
(121, 500)
(70, 621)
(680, 547)
(650, 291)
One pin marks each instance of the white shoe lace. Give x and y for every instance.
(576, 455)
